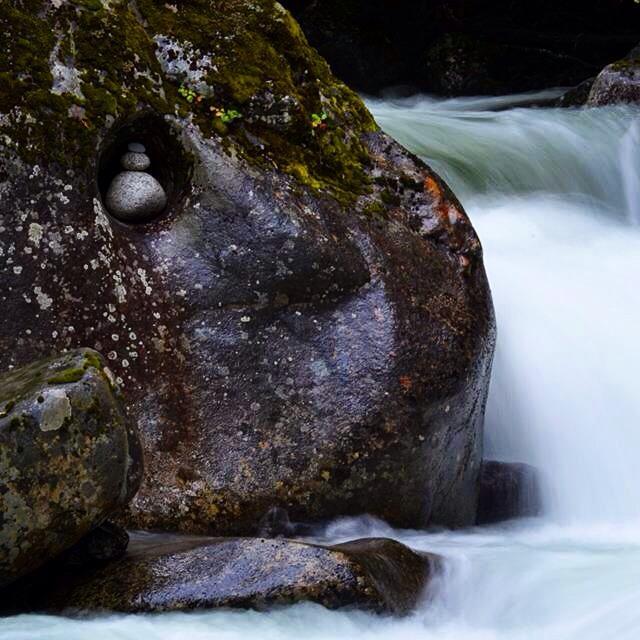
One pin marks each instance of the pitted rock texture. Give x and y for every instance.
(308, 324)
(177, 573)
(68, 458)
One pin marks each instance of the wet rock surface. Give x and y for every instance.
(576, 96)
(68, 458)
(308, 323)
(171, 573)
(618, 83)
(507, 491)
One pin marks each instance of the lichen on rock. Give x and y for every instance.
(60, 91)
(68, 458)
(618, 83)
(307, 323)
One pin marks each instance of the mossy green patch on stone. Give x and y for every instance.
(68, 375)
(254, 47)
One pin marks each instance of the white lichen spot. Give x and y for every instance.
(101, 221)
(35, 233)
(42, 298)
(65, 77)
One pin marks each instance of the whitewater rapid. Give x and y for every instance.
(555, 197)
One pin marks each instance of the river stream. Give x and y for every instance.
(555, 197)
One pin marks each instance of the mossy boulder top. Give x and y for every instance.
(71, 69)
(307, 324)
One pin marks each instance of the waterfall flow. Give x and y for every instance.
(555, 197)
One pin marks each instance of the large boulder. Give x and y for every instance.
(457, 47)
(68, 458)
(171, 573)
(307, 324)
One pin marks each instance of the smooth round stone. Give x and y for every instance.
(135, 197)
(132, 161)
(136, 147)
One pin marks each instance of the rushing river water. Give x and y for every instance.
(555, 197)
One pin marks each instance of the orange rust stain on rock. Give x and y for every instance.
(406, 383)
(433, 188)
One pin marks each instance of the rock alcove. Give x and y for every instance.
(167, 165)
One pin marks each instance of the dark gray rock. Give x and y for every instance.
(507, 491)
(106, 543)
(68, 458)
(307, 325)
(174, 573)
(577, 96)
(617, 83)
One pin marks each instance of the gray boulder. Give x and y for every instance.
(617, 83)
(175, 573)
(307, 323)
(68, 458)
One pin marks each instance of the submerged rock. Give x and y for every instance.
(173, 573)
(68, 458)
(308, 324)
(507, 491)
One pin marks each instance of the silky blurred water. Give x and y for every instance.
(555, 197)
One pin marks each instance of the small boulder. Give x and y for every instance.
(163, 572)
(617, 83)
(576, 96)
(68, 458)
(507, 490)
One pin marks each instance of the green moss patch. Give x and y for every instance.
(255, 48)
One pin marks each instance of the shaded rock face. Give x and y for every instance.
(171, 573)
(507, 491)
(618, 83)
(576, 96)
(308, 322)
(68, 458)
(467, 46)
(105, 543)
